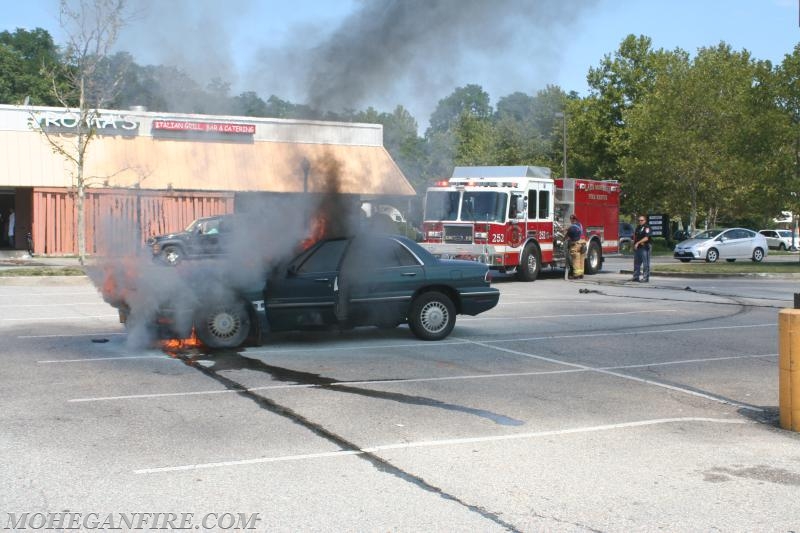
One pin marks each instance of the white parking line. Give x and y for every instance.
(478, 318)
(443, 442)
(624, 376)
(407, 380)
(71, 335)
(40, 318)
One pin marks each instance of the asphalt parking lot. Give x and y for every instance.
(599, 405)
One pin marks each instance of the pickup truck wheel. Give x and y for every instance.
(222, 325)
(171, 255)
(432, 316)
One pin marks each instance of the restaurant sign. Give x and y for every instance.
(204, 127)
(102, 123)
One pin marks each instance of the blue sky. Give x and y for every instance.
(253, 43)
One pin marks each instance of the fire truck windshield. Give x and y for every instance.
(441, 205)
(484, 206)
(481, 206)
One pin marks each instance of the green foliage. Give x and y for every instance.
(25, 58)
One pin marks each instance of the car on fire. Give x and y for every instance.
(364, 280)
(204, 237)
(729, 244)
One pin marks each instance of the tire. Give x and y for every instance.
(730, 260)
(685, 260)
(593, 262)
(432, 316)
(530, 263)
(782, 247)
(223, 325)
(171, 255)
(758, 255)
(712, 255)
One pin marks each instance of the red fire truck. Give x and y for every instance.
(514, 218)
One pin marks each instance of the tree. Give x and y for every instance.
(92, 28)
(24, 55)
(471, 101)
(700, 141)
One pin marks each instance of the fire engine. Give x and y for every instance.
(514, 218)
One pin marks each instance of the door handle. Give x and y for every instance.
(322, 280)
(408, 274)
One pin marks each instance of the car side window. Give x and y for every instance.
(325, 258)
(379, 253)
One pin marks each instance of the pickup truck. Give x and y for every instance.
(203, 238)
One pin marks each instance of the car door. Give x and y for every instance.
(378, 278)
(772, 238)
(742, 243)
(726, 243)
(303, 294)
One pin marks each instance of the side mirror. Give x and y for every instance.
(520, 207)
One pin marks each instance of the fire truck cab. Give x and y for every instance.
(514, 218)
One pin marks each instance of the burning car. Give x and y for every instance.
(364, 280)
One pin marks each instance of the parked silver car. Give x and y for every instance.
(729, 244)
(780, 239)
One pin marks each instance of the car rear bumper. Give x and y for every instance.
(475, 302)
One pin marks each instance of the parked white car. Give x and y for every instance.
(780, 239)
(729, 244)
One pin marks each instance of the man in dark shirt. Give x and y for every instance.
(641, 251)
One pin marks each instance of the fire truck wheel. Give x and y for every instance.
(593, 262)
(530, 263)
(222, 325)
(171, 255)
(432, 316)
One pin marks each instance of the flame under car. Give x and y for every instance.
(366, 280)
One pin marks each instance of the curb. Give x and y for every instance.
(785, 275)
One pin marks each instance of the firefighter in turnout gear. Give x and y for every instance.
(577, 247)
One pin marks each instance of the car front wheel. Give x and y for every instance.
(782, 247)
(758, 255)
(685, 260)
(432, 316)
(222, 325)
(712, 255)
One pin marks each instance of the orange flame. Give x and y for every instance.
(175, 346)
(317, 231)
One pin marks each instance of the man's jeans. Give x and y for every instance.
(641, 263)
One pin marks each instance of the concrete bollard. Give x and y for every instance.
(789, 368)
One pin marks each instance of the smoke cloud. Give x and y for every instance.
(383, 53)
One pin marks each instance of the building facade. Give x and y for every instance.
(149, 173)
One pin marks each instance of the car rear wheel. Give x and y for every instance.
(593, 261)
(530, 263)
(223, 325)
(712, 255)
(730, 260)
(171, 255)
(758, 255)
(432, 316)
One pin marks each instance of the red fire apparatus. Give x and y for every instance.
(514, 218)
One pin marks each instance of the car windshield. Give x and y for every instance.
(708, 234)
(785, 233)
